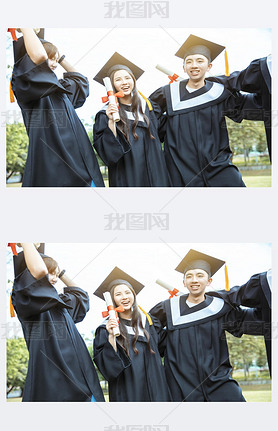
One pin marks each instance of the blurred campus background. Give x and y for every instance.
(89, 49)
(89, 264)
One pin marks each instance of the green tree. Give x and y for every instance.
(17, 363)
(245, 350)
(16, 148)
(246, 136)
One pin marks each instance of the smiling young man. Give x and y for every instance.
(196, 356)
(196, 139)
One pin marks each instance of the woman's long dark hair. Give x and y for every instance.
(136, 107)
(136, 322)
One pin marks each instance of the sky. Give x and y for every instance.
(89, 49)
(89, 264)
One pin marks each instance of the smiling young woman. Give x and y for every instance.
(130, 148)
(131, 362)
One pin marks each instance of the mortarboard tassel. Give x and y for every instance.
(227, 72)
(147, 101)
(147, 315)
(11, 93)
(12, 313)
(227, 287)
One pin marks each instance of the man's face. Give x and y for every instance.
(196, 281)
(196, 66)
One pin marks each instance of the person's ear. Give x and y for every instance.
(209, 66)
(209, 281)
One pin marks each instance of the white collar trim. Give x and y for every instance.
(214, 93)
(213, 308)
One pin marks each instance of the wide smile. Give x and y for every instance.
(125, 303)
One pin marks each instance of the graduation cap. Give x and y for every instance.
(116, 277)
(118, 62)
(198, 45)
(197, 260)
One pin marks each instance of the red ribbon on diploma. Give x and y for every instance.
(173, 292)
(111, 93)
(173, 78)
(119, 309)
(13, 247)
(12, 31)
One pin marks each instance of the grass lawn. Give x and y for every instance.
(249, 180)
(252, 393)
(259, 178)
(257, 393)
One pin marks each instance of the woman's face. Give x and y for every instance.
(123, 81)
(53, 276)
(53, 62)
(123, 296)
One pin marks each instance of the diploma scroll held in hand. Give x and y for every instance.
(172, 291)
(111, 97)
(111, 312)
(171, 75)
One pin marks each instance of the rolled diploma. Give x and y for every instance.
(112, 313)
(112, 99)
(168, 286)
(167, 71)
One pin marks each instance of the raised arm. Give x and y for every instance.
(33, 46)
(66, 279)
(66, 65)
(34, 262)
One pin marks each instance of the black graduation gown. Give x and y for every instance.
(139, 377)
(196, 358)
(256, 293)
(256, 78)
(60, 153)
(60, 367)
(137, 163)
(196, 142)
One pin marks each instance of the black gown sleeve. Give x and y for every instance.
(159, 312)
(158, 97)
(110, 363)
(31, 81)
(31, 297)
(78, 85)
(240, 107)
(161, 335)
(78, 300)
(251, 294)
(250, 79)
(109, 148)
(244, 321)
